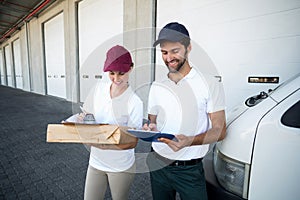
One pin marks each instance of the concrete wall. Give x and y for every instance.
(139, 21)
(251, 38)
(139, 14)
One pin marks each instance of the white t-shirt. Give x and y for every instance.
(124, 110)
(183, 108)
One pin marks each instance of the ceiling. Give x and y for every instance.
(13, 13)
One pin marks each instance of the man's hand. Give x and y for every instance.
(150, 127)
(216, 133)
(181, 142)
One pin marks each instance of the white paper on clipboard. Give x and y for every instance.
(76, 119)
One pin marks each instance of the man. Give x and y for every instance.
(189, 106)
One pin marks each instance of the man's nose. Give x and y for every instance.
(169, 57)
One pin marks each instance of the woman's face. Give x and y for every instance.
(119, 79)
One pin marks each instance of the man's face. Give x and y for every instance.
(174, 54)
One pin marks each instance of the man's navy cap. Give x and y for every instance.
(173, 32)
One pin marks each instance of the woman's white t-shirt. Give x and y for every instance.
(124, 110)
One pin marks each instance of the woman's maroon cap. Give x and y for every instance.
(117, 59)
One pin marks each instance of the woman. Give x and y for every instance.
(114, 103)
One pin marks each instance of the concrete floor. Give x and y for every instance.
(31, 168)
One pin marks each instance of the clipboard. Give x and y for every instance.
(150, 136)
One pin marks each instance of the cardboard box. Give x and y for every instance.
(87, 133)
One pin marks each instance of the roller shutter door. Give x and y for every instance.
(55, 56)
(9, 72)
(242, 38)
(17, 64)
(100, 24)
(2, 70)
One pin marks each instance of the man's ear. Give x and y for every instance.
(189, 48)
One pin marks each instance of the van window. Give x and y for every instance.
(292, 116)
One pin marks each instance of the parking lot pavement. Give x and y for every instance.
(31, 168)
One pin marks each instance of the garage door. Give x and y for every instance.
(242, 38)
(17, 64)
(100, 25)
(55, 56)
(2, 71)
(8, 64)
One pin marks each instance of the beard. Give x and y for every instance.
(179, 65)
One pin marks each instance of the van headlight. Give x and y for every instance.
(231, 174)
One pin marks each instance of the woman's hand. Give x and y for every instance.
(114, 146)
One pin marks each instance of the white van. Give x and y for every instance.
(259, 158)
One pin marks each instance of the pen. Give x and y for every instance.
(84, 111)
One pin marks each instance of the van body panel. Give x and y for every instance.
(241, 133)
(275, 165)
(286, 88)
(266, 136)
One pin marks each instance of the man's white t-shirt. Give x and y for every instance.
(183, 108)
(124, 110)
